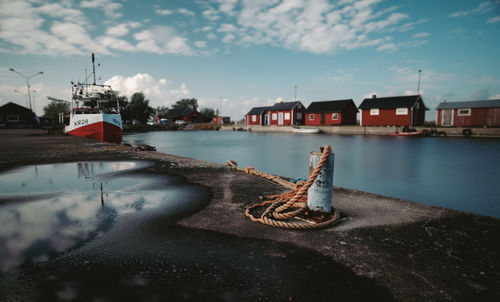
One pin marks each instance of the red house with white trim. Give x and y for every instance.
(393, 111)
(281, 114)
(469, 114)
(329, 113)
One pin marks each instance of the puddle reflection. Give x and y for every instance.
(90, 196)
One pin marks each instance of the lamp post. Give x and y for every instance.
(27, 82)
(418, 87)
(34, 103)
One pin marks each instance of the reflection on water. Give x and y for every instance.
(79, 202)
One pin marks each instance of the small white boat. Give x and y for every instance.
(305, 130)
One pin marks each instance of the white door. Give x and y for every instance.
(447, 117)
(280, 118)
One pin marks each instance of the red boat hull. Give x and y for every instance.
(100, 131)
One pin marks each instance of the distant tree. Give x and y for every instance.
(124, 111)
(208, 114)
(54, 108)
(139, 108)
(183, 103)
(161, 111)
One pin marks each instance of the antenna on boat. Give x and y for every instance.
(418, 87)
(93, 66)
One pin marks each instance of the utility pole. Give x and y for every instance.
(27, 82)
(418, 87)
(295, 98)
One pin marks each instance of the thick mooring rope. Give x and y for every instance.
(293, 204)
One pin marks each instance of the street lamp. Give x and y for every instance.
(25, 95)
(27, 82)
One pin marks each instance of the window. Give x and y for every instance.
(254, 118)
(287, 115)
(274, 116)
(311, 117)
(335, 116)
(298, 106)
(464, 112)
(299, 115)
(374, 111)
(401, 111)
(12, 118)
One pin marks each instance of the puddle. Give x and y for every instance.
(46, 210)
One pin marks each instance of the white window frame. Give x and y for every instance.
(274, 116)
(464, 114)
(374, 111)
(401, 111)
(287, 115)
(335, 116)
(254, 118)
(13, 118)
(311, 117)
(299, 115)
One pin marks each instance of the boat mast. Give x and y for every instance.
(93, 66)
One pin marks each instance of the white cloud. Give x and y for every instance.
(77, 35)
(200, 44)
(227, 28)
(161, 40)
(482, 8)
(163, 12)
(228, 38)
(494, 97)
(118, 30)
(57, 10)
(186, 12)
(211, 14)
(390, 47)
(109, 7)
(157, 91)
(494, 19)
(211, 36)
(114, 43)
(421, 35)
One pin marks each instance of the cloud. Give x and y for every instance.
(186, 12)
(157, 91)
(162, 40)
(163, 12)
(76, 35)
(200, 44)
(312, 26)
(421, 35)
(480, 94)
(494, 97)
(494, 19)
(118, 30)
(109, 7)
(390, 47)
(482, 8)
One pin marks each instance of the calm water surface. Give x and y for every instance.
(457, 173)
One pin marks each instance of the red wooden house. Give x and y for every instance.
(340, 112)
(257, 116)
(393, 111)
(186, 114)
(281, 114)
(469, 114)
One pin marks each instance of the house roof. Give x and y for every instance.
(469, 104)
(406, 101)
(277, 106)
(11, 107)
(173, 113)
(330, 106)
(284, 105)
(258, 110)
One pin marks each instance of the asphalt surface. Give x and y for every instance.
(385, 249)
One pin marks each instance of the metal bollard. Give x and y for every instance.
(319, 196)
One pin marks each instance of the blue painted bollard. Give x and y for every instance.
(319, 195)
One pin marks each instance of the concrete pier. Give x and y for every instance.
(385, 249)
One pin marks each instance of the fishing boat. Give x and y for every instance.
(95, 112)
(305, 130)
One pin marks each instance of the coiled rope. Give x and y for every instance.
(280, 209)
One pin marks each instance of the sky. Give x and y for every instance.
(238, 54)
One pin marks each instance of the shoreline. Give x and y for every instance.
(412, 250)
(366, 130)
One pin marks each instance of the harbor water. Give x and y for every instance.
(456, 173)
